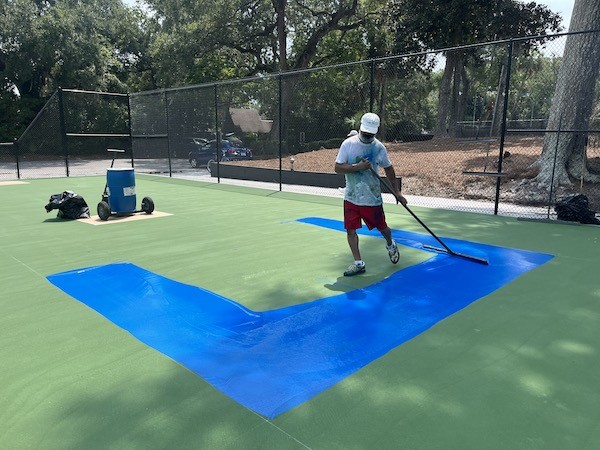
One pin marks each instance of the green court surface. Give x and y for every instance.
(517, 369)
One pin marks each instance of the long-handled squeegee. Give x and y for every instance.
(446, 248)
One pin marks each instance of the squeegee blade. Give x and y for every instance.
(461, 255)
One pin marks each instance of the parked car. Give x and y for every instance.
(231, 150)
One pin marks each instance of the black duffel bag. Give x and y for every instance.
(70, 206)
(576, 208)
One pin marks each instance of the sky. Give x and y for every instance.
(564, 7)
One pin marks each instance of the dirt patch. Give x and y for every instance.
(437, 168)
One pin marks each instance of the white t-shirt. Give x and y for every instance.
(362, 188)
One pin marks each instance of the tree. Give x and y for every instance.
(446, 24)
(73, 44)
(210, 40)
(573, 101)
(219, 39)
(532, 83)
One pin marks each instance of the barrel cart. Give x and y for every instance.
(119, 196)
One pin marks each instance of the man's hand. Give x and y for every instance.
(365, 164)
(400, 198)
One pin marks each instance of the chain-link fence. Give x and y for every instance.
(499, 127)
(71, 136)
(9, 161)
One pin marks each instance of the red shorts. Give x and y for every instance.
(373, 216)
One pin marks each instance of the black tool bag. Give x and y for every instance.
(70, 206)
(575, 208)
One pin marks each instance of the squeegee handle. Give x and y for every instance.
(114, 151)
(389, 188)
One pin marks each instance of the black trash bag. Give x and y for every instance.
(70, 206)
(575, 208)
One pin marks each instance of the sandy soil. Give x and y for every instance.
(436, 168)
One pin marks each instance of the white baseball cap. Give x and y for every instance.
(352, 133)
(369, 123)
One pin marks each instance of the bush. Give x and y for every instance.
(267, 148)
(400, 130)
(317, 145)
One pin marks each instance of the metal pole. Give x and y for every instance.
(583, 157)
(554, 167)
(217, 136)
(372, 87)
(16, 146)
(280, 131)
(503, 125)
(168, 136)
(130, 131)
(63, 129)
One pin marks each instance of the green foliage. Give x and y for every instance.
(318, 145)
(324, 104)
(442, 23)
(102, 45)
(16, 114)
(533, 82)
(92, 45)
(87, 45)
(210, 40)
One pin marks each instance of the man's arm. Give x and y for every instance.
(351, 168)
(390, 173)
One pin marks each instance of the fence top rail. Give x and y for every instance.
(6, 144)
(115, 135)
(547, 130)
(81, 91)
(215, 84)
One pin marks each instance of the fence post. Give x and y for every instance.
(554, 166)
(16, 147)
(280, 137)
(217, 135)
(168, 135)
(63, 128)
(503, 126)
(130, 128)
(372, 87)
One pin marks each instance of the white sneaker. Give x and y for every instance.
(355, 269)
(393, 252)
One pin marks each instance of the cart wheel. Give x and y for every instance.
(103, 210)
(147, 205)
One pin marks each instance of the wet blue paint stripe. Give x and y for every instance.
(273, 361)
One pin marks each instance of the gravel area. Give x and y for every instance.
(436, 168)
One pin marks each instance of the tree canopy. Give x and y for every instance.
(64, 43)
(103, 45)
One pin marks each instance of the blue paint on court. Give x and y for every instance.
(273, 361)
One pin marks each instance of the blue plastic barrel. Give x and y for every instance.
(121, 190)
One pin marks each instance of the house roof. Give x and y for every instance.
(248, 120)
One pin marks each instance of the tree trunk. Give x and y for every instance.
(460, 87)
(382, 105)
(499, 103)
(445, 96)
(441, 129)
(465, 93)
(279, 6)
(288, 87)
(573, 100)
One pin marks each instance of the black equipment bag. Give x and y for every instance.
(575, 208)
(70, 206)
